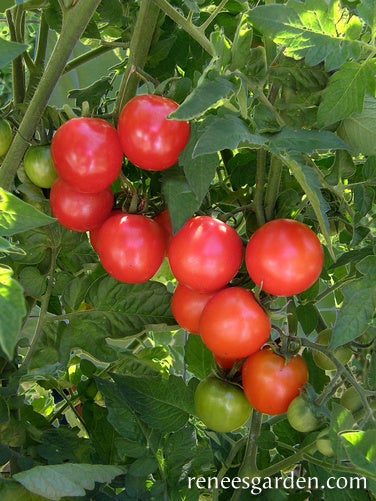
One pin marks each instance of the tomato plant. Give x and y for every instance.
(86, 153)
(233, 324)
(131, 247)
(271, 382)
(205, 254)
(77, 210)
(5, 136)
(351, 399)
(284, 257)
(343, 353)
(39, 167)
(220, 405)
(251, 100)
(148, 137)
(300, 415)
(187, 306)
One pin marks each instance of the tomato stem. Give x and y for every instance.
(139, 48)
(249, 464)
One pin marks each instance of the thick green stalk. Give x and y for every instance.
(249, 465)
(260, 186)
(139, 48)
(272, 189)
(75, 21)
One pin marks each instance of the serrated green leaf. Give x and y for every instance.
(304, 141)
(227, 132)
(180, 198)
(367, 11)
(198, 357)
(309, 181)
(92, 93)
(208, 94)
(314, 30)
(8, 247)
(59, 480)
(163, 404)
(12, 311)
(357, 310)
(199, 171)
(345, 92)
(9, 51)
(361, 450)
(17, 216)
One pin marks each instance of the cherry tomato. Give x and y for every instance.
(233, 324)
(220, 405)
(187, 305)
(87, 154)
(93, 234)
(205, 254)
(284, 257)
(5, 136)
(324, 444)
(301, 417)
(270, 382)
(164, 219)
(77, 210)
(131, 247)
(39, 167)
(342, 353)
(351, 399)
(149, 139)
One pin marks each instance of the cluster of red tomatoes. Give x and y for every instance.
(283, 257)
(88, 154)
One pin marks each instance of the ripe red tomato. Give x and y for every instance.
(220, 405)
(205, 254)
(87, 154)
(225, 363)
(131, 247)
(39, 167)
(149, 139)
(284, 257)
(187, 305)
(77, 210)
(233, 324)
(270, 382)
(93, 234)
(163, 218)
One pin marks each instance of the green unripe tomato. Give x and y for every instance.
(39, 167)
(301, 417)
(221, 406)
(342, 353)
(5, 136)
(351, 399)
(324, 444)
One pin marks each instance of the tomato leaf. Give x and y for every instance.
(198, 357)
(208, 94)
(360, 447)
(10, 50)
(12, 311)
(358, 305)
(163, 404)
(17, 216)
(227, 132)
(312, 30)
(59, 480)
(304, 141)
(345, 92)
(309, 181)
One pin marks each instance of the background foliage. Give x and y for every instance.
(96, 400)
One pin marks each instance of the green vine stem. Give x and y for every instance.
(18, 75)
(75, 21)
(260, 186)
(249, 465)
(213, 15)
(272, 189)
(43, 308)
(139, 48)
(195, 32)
(36, 71)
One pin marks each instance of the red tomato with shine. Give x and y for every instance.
(79, 211)
(149, 139)
(233, 324)
(131, 247)
(284, 257)
(187, 306)
(87, 154)
(270, 382)
(163, 218)
(205, 254)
